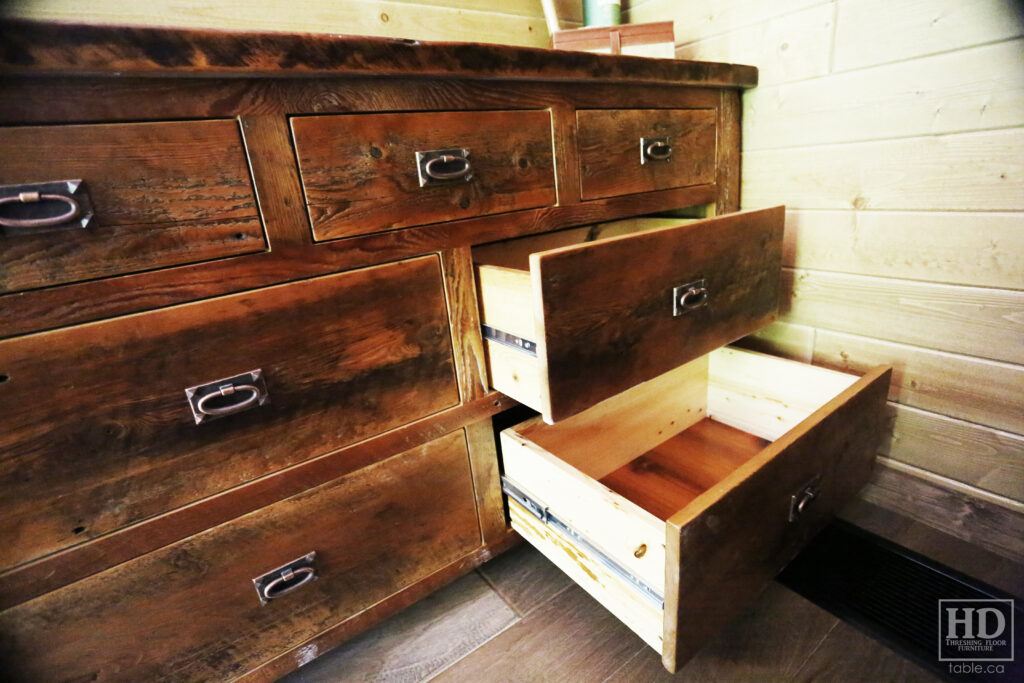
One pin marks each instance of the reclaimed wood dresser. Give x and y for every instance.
(261, 295)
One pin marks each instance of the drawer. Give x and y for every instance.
(161, 194)
(575, 317)
(98, 431)
(366, 173)
(624, 151)
(674, 503)
(190, 611)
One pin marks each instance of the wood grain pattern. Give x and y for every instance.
(464, 319)
(59, 569)
(727, 153)
(974, 389)
(601, 337)
(608, 145)
(987, 458)
(746, 515)
(671, 475)
(44, 309)
(483, 458)
(359, 172)
(345, 357)
(159, 199)
(990, 522)
(86, 629)
(980, 250)
(35, 47)
(965, 320)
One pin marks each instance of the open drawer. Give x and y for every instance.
(575, 317)
(674, 503)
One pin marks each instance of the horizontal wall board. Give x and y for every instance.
(879, 31)
(972, 389)
(976, 89)
(981, 171)
(789, 48)
(795, 342)
(987, 458)
(697, 20)
(958, 509)
(439, 20)
(979, 249)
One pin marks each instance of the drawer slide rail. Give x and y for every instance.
(544, 514)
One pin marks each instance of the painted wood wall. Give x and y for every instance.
(894, 134)
(512, 22)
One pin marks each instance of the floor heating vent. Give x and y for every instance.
(893, 595)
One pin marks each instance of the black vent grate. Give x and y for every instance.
(890, 593)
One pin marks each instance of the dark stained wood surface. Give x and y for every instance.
(727, 545)
(464, 318)
(81, 302)
(113, 441)
(36, 47)
(607, 305)
(609, 150)
(129, 623)
(163, 194)
(359, 172)
(667, 478)
(727, 152)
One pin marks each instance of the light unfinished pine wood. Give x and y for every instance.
(616, 525)
(516, 374)
(506, 300)
(876, 31)
(980, 518)
(791, 47)
(973, 389)
(978, 249)
(989, 459)
(696, 20)
(607, 436)
(795, 342)
(981, 171)
(430, 20)
(767, 396)
(621, 599)
(966, 90)
(966, 320)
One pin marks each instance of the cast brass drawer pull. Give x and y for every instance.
(689, 297)
(283, 580)
(443, 166)
(655, 149)
(39, 195)
(249, 386)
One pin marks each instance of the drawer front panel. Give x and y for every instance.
(113, 438)
(616, 156)
(361, 173)
(730, 548)
(190, 611)
(609, 310)
(162, 194)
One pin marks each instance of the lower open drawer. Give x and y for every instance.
(675, 502)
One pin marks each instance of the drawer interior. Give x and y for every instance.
(628, 473)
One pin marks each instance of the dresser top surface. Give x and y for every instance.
(44, 48)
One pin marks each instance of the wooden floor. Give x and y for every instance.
(518, 618)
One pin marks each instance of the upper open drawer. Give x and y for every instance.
(624, 151)
(572, 320)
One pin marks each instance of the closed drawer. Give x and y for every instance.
(572, 322)
(190, 611)
(369, 172)
(162, 194)
(98, 432)
(674, 503)
(624, 151)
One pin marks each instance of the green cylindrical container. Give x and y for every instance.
(602, 12)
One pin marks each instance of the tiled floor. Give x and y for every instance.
(518, 618)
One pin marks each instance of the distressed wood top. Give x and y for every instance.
(29, 48)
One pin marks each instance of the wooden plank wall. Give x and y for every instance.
(511, 22)
(894, 133)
